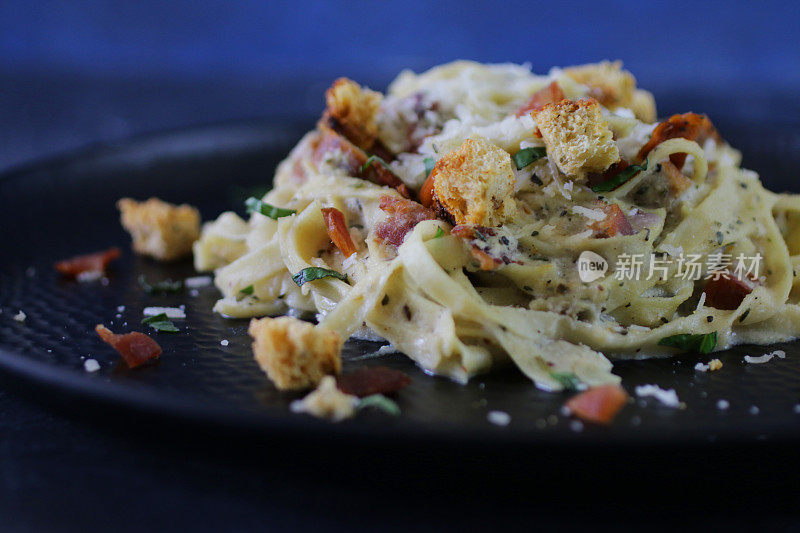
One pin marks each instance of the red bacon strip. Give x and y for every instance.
(691, 126)
(135, 348)
(375, 380)
(547, 95)
(426, 192)
(726, 292)
(615, 223)
(355, 159)
(337, 231)
(599, 404)
(403, 216)
(96, 262)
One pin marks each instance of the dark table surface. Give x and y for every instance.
(67, 466)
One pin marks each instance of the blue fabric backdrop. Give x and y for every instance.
(664, 42)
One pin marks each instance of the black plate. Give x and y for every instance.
(62, 207)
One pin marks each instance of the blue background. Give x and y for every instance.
(75, 72)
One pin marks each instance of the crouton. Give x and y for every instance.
(293, 353)
(352, 110)
(643, 106)
(614, 87)
(327, 401)
(577, 137)
(475, 184)
(159, 229)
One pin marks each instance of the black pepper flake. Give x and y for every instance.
(628, 304)
(710, 318)
(527, 288)
(563, 213)
(658, 167)
(504, 240)
(535, 179)
(720, 237)
(407, 312)
(534, 233)
(744, 315)
(385, 299)
(664, 320)
(562, 288)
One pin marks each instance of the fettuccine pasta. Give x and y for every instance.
(453, 217)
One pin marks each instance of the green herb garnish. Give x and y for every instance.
(526, 156)
(166, 286)
(567, 379)
(429, 164)
(314, 273)
(372, 158)
(254, 205)
(160, 323)
(701, 343)
(620, 178)
(439, 233)
(381, 402)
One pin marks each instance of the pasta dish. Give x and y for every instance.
(477, 215)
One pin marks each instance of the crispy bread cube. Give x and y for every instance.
(293, 353)
(614, 87)
(643, 106)
(577, 137)
(354, 109)
(159, 229)
(475, 183)
(327, 401)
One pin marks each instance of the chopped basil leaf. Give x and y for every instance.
(381, 402)
(701, 343)
(526, 156)
(372, 158)
(569, 380)
(439, 233)
(620, 178)
(254, 205)
(160, 323)
(429, 164)
(166, 286)
(313, 273)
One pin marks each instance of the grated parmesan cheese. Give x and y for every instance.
(499, 418)
(171, 312)
(21, 316)
(91, 365)
(197, 281)
(666, 397)
(592, 214)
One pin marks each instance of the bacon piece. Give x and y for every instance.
(403, 216)
(547, 95)
(691, 126)
(599, 404)
(615, 223)
(677, 181)
(354, 159)
(426, 192)
(375, 380)
(135, 348)
(337, 231)
(96, 262)
(726, 292)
